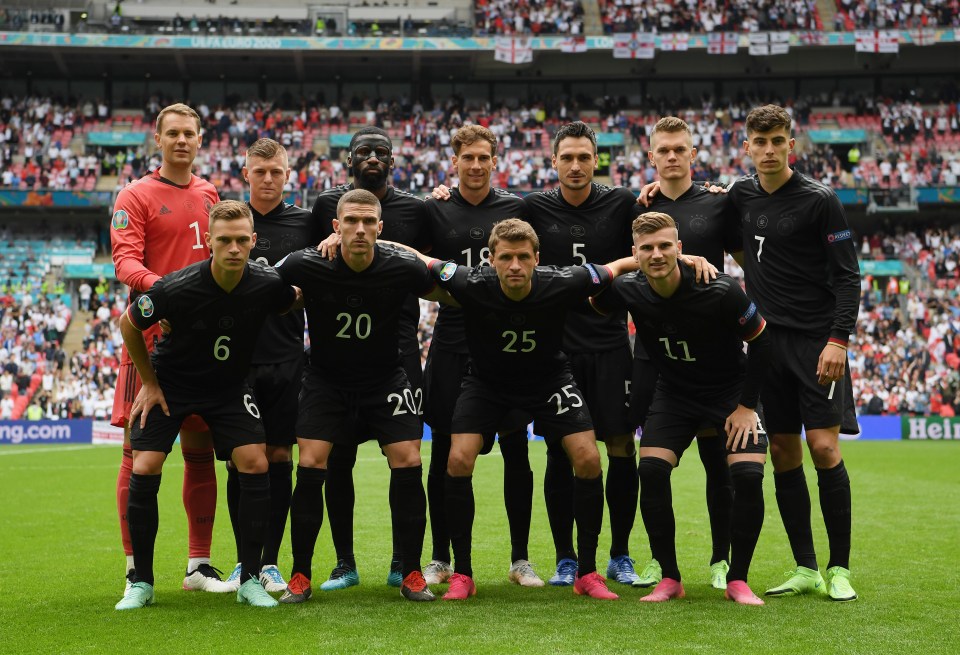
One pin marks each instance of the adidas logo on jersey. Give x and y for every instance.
(165, 210)
(199, 325)
(452, 234)
(553, 229)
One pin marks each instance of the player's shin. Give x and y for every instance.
(558, 495)
(436, 482)
(281, 488)
(747, 517)
(656, 508)
(408, 508)
(834, 486)
(143, 517)
(306, 517)
(517, 491)
(793, 500)
(254, 512)
(460, 512)
(588, 514)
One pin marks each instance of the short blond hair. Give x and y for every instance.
(266, 149)
(650, 222)
(671, 125)
(181, 109)
(230, 210)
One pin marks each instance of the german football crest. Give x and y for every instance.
(120, 220)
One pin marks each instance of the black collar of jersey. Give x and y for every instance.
(341, 263)
(387, 197)
(794, 178)
(206, 274)
(487, 199)
(687, 280)
(694, 190)
(276, 211)
(156, 175)
(594, 192)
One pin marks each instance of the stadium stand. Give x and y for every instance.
(861, 14)
(533, 17)
(711, 16)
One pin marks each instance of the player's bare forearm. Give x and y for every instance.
(623, 265)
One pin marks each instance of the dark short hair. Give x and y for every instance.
(574, 130)
(358, 197)
(470, 134)
(513, 229)
(650, 222)
(767, 118)
(230, 210)
(364, 131)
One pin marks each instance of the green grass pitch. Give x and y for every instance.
(61, 572)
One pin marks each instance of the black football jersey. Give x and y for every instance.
(695, 337)
(707, 222)
(354, 318)
(214, 333)
(799, 256)
(404, 221)
(459, 232)
(516, 344)
(283, 230)
(598, 230)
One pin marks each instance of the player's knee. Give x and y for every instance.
(586, 463)
(404, 457)
(621, 445)
(250, 459)
(279, 454)
(460, 463)
(786, 452)
(654, 473)
(825, 454)
(746, 475)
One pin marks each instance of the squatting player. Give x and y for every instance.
(514, 313)
(277, 364)
(158, 226)
(801, 269)
(216, 309)
(355, 387)
(708, 226)
(459, 231)
(404, 221)
(693, 333)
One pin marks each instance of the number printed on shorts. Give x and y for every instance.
(251, 405)
(570, 397)
(526, 341)
(361, 325)
(412, 400)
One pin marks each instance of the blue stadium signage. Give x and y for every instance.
(46, 432)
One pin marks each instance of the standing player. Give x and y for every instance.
(708, 226)
(514, 313)
(355, 385)
(459, 232)
(582, 221)
(404, 221)
(801, 269)
(277, 364)
(694, 334)
(216, 309)
(158, 226)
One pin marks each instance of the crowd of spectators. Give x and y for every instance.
(708, 16)
(886, 14)
(530, 17)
